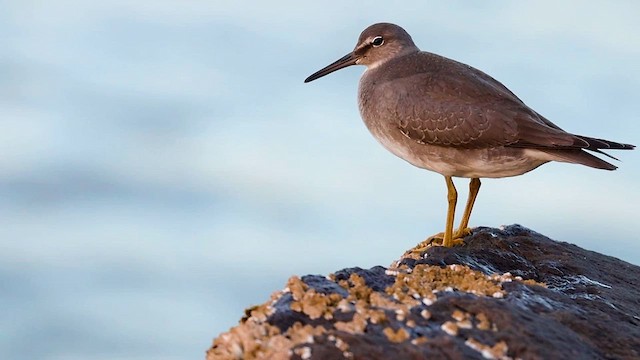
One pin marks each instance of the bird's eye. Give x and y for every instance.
(377, 41)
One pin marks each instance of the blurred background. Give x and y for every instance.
(163, 166)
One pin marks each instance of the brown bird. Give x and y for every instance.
(442, 115)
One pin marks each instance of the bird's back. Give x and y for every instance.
(421, 101)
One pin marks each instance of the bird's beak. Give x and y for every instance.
(343, 62)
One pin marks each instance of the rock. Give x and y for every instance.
(507, 293)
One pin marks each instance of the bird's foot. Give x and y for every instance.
(438, 239)
(461, 233)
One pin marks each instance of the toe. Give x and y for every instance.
(434, 239)
(460, 233)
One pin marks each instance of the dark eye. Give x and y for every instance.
(377, 41)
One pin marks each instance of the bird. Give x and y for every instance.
(445, 116)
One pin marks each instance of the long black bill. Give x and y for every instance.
(343, 62)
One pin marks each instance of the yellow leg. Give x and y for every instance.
(463, 229)
(452, 198)
(450, 238)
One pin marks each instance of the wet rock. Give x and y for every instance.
(507, 293)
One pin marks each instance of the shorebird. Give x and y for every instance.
(445, 116)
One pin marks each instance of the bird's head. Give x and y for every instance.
(376, 45)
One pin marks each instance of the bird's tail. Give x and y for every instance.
(601, 144)
(575, 153)
(578, 156)
(597, 145)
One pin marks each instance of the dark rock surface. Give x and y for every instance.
(505, 294)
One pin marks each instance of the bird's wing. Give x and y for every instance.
(469, 109)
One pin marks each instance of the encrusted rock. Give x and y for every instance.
(505, 294)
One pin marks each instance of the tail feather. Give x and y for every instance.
(605, 154)
(575, 153)
(578, 156)
(595, 144)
